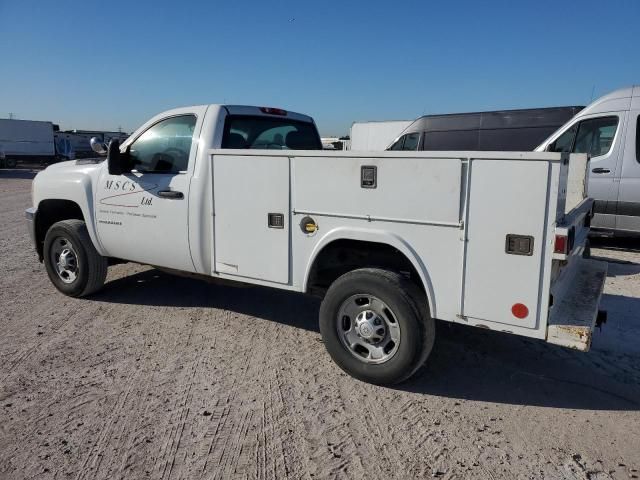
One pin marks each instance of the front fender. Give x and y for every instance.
(75, 185)
(377, 236)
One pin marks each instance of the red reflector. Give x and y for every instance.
(273, 111)
(561, 243)
(520, 310)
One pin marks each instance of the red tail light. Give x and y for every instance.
(561, 244)
(273, 111)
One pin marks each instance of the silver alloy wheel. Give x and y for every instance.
(368, 328)
(65, 259)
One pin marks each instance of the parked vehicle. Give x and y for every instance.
(502, 130)
(79, 141)
(26, 140)
(609, 131)
(375, 136)
(390, 240)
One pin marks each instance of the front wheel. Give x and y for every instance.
(375, 325)
(72, 262)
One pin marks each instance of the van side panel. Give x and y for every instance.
(628, 205)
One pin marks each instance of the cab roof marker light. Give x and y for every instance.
(274, 111)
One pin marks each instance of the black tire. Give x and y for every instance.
(409, 306)
(91, 270)
(11, 163)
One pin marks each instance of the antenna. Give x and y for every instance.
(593, 89)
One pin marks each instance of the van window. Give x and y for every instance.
(411, 141)
(564, 142)
(406, 142)
(595, 136)
(397, 144)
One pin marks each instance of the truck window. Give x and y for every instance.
(165, 147)
(595, 136)
(243, 131)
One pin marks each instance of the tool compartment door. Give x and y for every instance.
(251, 216)
(505, 198)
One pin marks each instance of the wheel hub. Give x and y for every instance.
(370, 326)
(65, 260)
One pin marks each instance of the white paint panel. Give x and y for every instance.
(505, 198)
(245, 190)
(408, 189)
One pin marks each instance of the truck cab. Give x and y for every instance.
(608, 131)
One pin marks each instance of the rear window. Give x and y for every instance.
(243, 131)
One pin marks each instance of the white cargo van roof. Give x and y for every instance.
(617, 100)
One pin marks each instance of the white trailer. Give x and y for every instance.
(376, 136)
(26, 139)
(390, 240)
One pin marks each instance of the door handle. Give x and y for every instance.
(601, 170)
(170, 194)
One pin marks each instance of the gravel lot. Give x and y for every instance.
(164, 377)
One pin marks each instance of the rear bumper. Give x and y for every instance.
(572, 318)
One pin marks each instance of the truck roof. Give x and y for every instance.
(255, 111)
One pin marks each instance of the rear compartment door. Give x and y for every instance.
(505, 198)
(251, 216)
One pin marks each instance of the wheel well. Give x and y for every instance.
(342, 256)
(50, 212)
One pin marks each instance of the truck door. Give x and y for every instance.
(628, 205)
(251, 216)
(601, 136)
(143, 215)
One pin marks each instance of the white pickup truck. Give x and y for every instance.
(390, 240)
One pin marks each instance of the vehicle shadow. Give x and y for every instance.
(475, 364)
(616, 243)
(618, 267)
(154, 287)
(466, 363)
(17, 173)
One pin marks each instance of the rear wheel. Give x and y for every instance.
(72, 262)
(375, 325)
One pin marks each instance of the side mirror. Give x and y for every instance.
(98, 146)
(116, 161)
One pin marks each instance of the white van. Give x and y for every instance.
(608, 130)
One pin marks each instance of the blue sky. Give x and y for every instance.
(101, 65)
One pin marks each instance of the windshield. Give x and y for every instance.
(243, 131)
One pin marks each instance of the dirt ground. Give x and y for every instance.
(164, 377)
